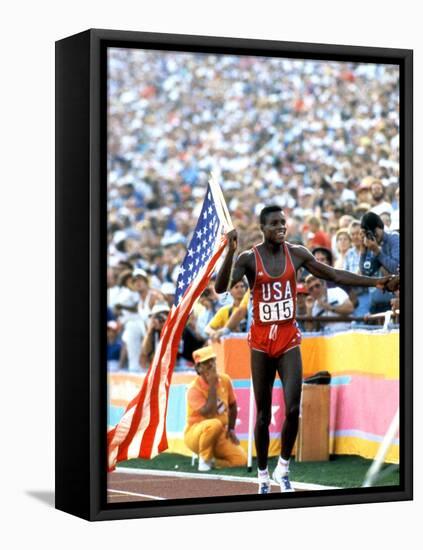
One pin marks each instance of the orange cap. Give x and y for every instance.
(203, 354)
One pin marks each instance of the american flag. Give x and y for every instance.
(141, 432)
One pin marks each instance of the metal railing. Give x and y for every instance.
(380, 319)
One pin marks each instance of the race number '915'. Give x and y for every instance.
(276, 311)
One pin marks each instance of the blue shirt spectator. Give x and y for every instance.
(388, 257)
(352, 260)
(382, 248)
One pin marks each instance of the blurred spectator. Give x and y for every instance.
(343, 244)
(151, 339)
(361, 209)
(387, 220)
(240, 319)
(381, 254)
(395, 305)
(222, 316)
(123, 300)
(135, 327)
(148, 297)
(352, 263)
(363, 191)
(323, 254)
(380, 205)
(319, 237)
(115, 351)
(168, 290)
(343, 223)
(327, 302)
(395, 225)
(302, 294)
(190, 338)
(382, 249)
(208, 302)
(298, 131)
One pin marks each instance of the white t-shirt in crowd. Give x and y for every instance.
(382, 207)
(335, 297)
(126, 297)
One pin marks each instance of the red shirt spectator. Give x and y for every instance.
(320, 237)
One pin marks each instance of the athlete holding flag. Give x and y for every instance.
(274, 337)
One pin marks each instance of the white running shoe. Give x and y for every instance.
(281, 477)
(264, 487)
(204, 465)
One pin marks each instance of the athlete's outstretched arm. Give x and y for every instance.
(224, 276)
(338, 276)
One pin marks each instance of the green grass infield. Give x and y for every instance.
(340, 471)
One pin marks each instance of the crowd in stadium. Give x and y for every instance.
(320, 139)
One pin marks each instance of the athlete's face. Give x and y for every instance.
(274, 228)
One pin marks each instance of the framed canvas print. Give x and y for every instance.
(233, 222)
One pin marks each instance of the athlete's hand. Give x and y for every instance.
(390, 283)
(393, 283)
(232, 240)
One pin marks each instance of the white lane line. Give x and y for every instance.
(135, 494)
(165, 473)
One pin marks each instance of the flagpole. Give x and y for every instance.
(220, 199)
(218, 194)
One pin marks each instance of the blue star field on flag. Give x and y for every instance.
(200, 248)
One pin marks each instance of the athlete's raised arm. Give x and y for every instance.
(338, 276)
(226, 274)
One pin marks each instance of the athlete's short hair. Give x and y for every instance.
(268, 210)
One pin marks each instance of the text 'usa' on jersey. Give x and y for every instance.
(274, 298)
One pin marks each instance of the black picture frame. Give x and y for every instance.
(81, 143)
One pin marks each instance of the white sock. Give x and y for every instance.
(283, 465)
(263, 475)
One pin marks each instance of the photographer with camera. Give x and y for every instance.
(158, 318)
(189, 342)
(381, 253)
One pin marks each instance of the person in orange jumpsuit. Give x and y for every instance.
(211, 416)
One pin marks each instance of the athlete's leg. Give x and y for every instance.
(289, 367)
(263, 372)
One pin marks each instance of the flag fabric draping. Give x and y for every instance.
(141, 432)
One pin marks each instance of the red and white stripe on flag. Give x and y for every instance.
(141, 432)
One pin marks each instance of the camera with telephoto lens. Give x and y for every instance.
(370, 235)
(160, 317)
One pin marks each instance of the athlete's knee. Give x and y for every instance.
(263, 419)
(293, 412)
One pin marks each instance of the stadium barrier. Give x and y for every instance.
(364, 390)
